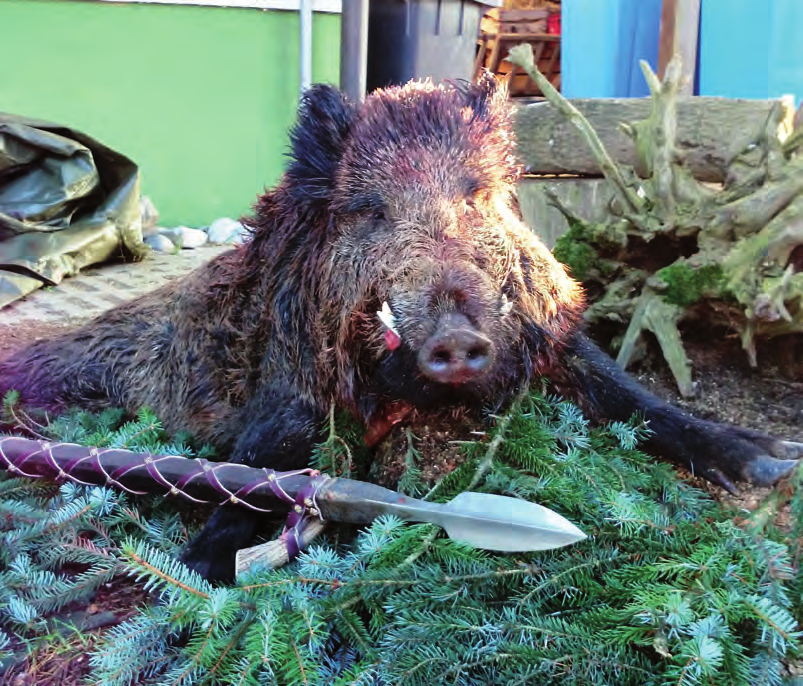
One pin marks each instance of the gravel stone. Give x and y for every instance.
(186, 237)
(225, 230)
(160, 243)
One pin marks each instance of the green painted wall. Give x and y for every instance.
(200, 97)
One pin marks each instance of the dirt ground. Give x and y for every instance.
(63, 658)
(767, 399)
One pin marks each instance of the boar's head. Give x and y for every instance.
(416, 187)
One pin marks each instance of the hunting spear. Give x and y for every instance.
(482, 520)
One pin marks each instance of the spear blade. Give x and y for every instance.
(495, 522)
(482, 520)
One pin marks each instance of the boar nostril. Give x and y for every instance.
(441, 355)
(456, 353)
(476, 353)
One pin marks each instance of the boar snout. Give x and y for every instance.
(456, 352)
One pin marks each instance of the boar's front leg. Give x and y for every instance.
(719, 452)
(278, 432)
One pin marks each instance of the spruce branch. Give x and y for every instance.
(487, 462)
(160, 571)
(672, 587)
(410, 482)
(333, 456)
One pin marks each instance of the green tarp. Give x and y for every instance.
(66, 201)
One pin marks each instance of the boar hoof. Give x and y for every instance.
(786, 450)
(764, 470)
(717, 476)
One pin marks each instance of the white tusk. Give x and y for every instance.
(507, 306)
(386, 317)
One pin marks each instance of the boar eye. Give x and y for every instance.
(379, 216)
(471, 190)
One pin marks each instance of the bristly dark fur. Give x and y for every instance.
(407, 199)
(317, 142)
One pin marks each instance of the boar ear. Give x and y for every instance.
(317, 141)
(484, 96)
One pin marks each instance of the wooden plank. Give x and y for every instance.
(680, 21)
(547, 55)
(479, 60)
(711, 132)
(589, 199)
(521, 27)
(502, 14)
(521, 37)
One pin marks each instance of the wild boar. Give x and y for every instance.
(388, 267)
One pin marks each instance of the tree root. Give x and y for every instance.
(661, 318)
(747, 232)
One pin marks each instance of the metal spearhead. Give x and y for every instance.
(482, 520)
(496, 522)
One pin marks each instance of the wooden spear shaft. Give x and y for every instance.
(262, 490)
(194, 479)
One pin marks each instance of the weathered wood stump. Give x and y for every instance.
(702, 216)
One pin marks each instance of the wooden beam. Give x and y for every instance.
(589, 199)
(711, 132)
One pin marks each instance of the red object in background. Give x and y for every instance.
(553, 23)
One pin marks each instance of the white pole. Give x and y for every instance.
(305, 43)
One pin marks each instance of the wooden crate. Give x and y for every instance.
(497, 20)
(551, 5)
(500, 30)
